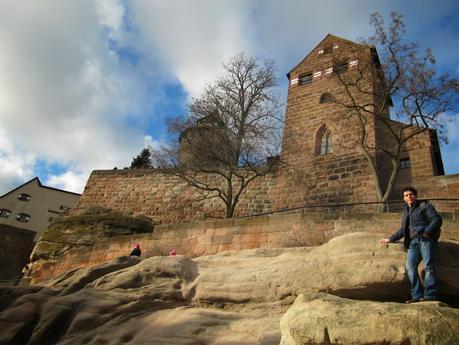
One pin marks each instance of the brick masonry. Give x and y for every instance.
(305, 177)
(211, 237)
(167, 199)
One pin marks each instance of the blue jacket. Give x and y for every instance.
(425, 220)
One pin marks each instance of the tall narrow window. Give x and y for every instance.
(324, 143)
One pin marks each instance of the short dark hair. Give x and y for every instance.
(410, 189)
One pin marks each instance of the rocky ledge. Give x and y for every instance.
(347, 291)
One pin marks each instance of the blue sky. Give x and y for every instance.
(86, 85)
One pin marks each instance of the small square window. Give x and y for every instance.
(4, 213)
(327, 50)
(24, 197)
(23, 217)
(341, 67)
(305, 79)
(405, 163)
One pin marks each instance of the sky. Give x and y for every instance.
(86, 84)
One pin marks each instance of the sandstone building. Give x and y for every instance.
(319, 145)
(321, 163)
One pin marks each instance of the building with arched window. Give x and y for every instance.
(321, 162)
(320, 150)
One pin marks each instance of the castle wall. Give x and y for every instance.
(305, 177)
(167, 199)
(211, 237)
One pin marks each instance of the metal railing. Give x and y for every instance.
(376, 206)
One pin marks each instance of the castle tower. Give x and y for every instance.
(323, 161)
(205, 145)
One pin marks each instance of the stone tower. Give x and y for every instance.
(207, 144)
(323, 163)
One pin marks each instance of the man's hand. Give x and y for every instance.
(384, 240)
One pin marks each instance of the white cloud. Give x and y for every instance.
(16, 164)
(191, 39)
(111, 13)
(65, 96)
(452, 148)
(69, 96)
(69, 181)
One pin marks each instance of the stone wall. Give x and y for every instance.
(440, 187)
(210, 237)
(340, 176)
(305, 177)
(165, 198)
(15, 248)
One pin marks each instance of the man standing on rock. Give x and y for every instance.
(420, 229)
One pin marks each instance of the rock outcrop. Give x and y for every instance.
(82, 228)
(328, 319)
(235, 297)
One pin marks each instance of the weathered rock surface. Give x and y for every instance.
(231, 298)
(83, 228)
(328, 319)
(354, 265)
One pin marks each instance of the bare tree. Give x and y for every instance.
(406, 82)
(223, 144)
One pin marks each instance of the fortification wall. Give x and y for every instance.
(211, 237)
(167, 199)
(439, 187)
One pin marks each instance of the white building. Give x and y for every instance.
(33, 206)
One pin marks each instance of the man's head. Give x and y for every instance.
(410, 195)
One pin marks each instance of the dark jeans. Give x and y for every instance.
(422, 249)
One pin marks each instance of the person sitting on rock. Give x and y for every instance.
(136, 251)
(420, 229)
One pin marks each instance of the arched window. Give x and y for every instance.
(324, 142)
(326, 98)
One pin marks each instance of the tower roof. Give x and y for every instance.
(332, 39)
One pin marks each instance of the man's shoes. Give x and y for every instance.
(414, 300)
(427, 299)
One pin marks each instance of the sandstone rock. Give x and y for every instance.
(230, 298)
(74, 280)
(326, 319)
(353, 265)
(83, 228)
